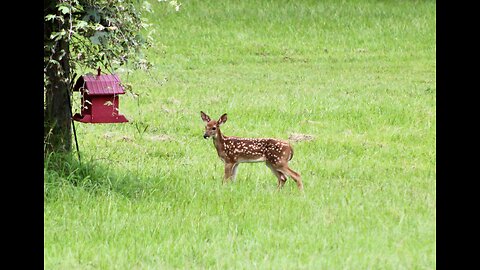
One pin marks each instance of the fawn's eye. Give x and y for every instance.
(213, 128)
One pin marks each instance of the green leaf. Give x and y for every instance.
(81, 24)
(95, 40)
(98, 38)
(147, 6)
(58, 35)
(64, 9)
(91, 15)
(50, 17)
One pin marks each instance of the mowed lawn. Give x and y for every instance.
(357, 76)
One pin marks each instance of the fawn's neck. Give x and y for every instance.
(218, 141)
(219, 138)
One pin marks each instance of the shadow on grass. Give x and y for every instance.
(63, 174)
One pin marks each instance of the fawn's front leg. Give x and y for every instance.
(228, 171)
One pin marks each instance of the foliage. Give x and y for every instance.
(87, 34)
(108, 33)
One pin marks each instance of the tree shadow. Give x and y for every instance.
(63, 172)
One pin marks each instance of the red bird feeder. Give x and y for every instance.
(99, 99)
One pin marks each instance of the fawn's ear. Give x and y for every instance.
(222, 119)
(205, 117)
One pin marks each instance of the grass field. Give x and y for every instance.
(359, 76)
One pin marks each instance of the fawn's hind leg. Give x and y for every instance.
(296, 177)
(293, 174)
(282, 178)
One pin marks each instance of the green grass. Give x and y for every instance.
(357, 75)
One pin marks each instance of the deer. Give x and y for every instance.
(235, 150)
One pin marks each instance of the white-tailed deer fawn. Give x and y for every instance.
(234, 150)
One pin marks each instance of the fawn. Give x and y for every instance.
(234, 150)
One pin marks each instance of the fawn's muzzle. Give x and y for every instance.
(205, 136)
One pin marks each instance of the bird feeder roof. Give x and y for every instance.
(107, 84)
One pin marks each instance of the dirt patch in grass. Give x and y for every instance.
(298, 137)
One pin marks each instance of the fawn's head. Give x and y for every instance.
(212, 126)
